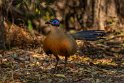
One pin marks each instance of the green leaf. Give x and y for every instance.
(30, 27)
(37, 11)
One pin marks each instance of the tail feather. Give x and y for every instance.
(90, 35)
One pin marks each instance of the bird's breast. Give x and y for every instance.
(64, 46)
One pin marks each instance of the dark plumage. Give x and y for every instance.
(90, 35)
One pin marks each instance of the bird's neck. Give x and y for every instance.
(55, 29)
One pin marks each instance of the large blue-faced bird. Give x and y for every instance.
(57, 42)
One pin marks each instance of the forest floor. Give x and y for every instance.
(99, 61)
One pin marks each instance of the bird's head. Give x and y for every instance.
(53, 22)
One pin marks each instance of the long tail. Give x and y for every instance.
(90, 35)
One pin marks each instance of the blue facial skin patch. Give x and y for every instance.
(55, 22)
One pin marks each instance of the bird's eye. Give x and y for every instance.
(54, 22)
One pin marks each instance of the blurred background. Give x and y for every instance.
(22, 30)
(73, 14)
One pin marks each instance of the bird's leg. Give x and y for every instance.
(66, 58)
(57, 61)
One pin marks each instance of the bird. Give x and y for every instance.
(59, 43)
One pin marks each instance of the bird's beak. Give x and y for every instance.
(48, 22)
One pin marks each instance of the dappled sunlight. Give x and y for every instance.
(94, 61)
(30, 65)
(87, 34)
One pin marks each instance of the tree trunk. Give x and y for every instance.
(94, 14)
(2, 28)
